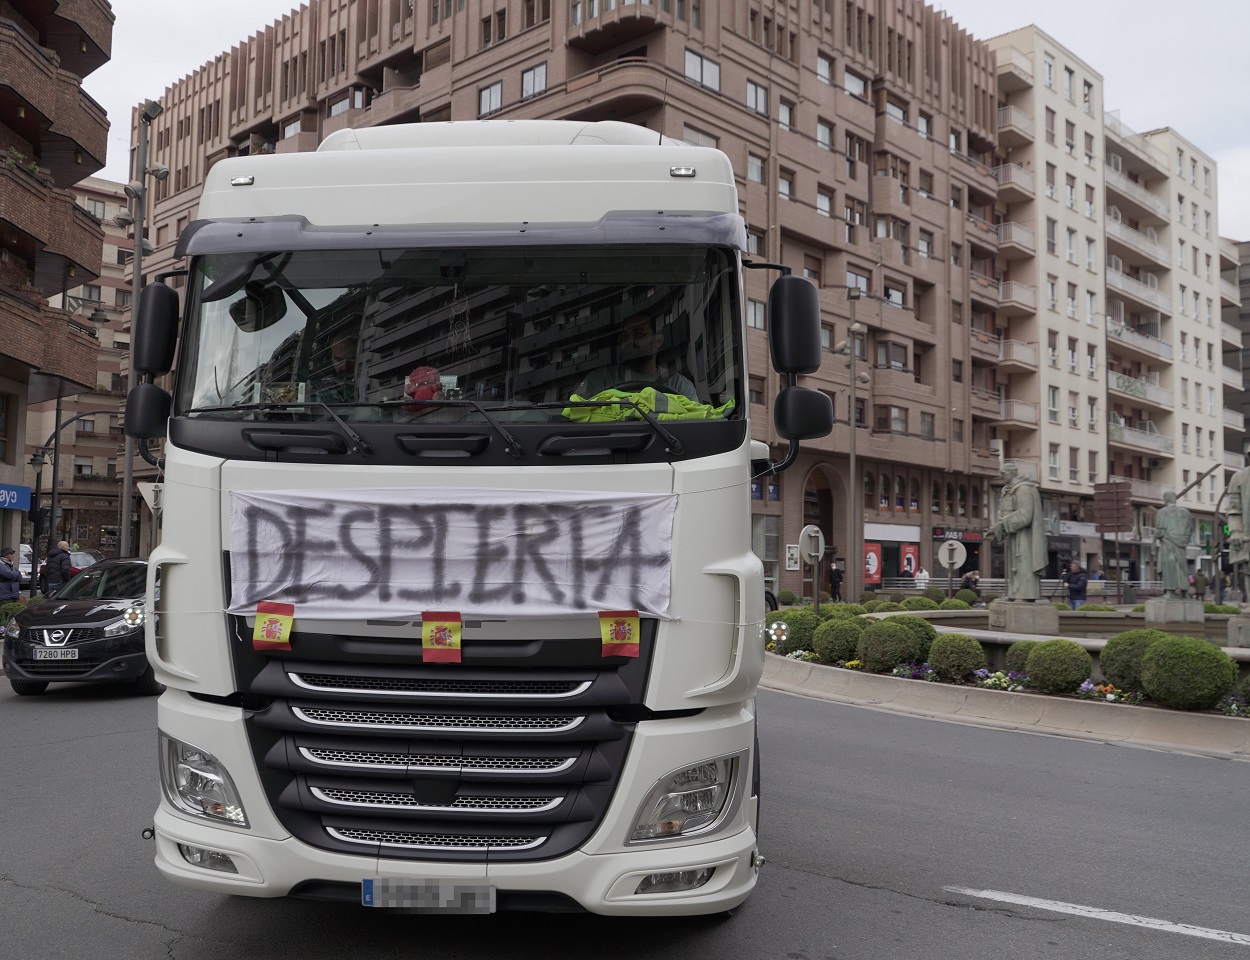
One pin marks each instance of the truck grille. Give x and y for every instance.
(513, 754)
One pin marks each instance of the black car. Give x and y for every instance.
(91, 629)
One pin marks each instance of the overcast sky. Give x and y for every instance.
(1158, 70)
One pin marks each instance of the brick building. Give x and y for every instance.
(52, 135)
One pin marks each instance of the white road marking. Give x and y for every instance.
(1095, 913)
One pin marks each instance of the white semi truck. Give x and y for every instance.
(455, 599)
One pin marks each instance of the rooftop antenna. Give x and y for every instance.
(663, 108)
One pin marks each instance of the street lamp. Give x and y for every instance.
(37, 460)
(855, 551)
(136, 190)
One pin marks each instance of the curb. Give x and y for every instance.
(1149, 727)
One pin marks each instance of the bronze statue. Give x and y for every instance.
(1020, 530)
(1173, 527)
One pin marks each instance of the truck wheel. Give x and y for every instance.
(28, 688)
(146, 684)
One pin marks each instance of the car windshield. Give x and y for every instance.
(461, 334)
(107, 583)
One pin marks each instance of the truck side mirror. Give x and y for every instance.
(156, 331)
(147, 412)
(802, 413)
(794, 325)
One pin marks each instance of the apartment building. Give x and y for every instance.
(88, 471)
(52, 134)
(1131, 383)
(863, 136)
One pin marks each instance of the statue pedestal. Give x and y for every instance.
(1239, 631)
(1173, 613)
(1024, 616)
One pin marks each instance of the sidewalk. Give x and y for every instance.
(1153, 728)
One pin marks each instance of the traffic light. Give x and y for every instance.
(40, 519)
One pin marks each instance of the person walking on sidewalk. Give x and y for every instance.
(10, 579)
(1078, 583)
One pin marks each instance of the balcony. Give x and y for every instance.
(985, 345)
(1233, 460)
(1015, 356)
(1144, 489)
(1015, 184)
(986, 404)
(1230, 294)
(1143, 390)
(1015, 127)
(1234, 419)
(1137, 241)
(1233, 378)
(983, 233)
(1139, 440)
(1015, 240)
(1018, 413)
(1133, 142)
(1143, 293)
(598, 26)
(1122, 334)
(1230, 334)
(1016, 298)
(1229, 258)
(1015, 70)
(80, 31)
(1153, 204)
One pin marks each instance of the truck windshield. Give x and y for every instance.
(463, 334)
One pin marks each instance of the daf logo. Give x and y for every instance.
(55, 638)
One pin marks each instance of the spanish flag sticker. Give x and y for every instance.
(620, 631)
(273, 626)
(440, 637)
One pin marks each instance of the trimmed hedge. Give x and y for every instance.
(1186, 673)
(919, 603)
(835, 640)
(867, 596)
(1121, 657)
(872, 605)
(1219, 608)
(787, 598)
(846, 610)
(1095, 608)
(1059, 665)
(1018, 655)
(954, 604)
(967, 596)
(884, 645)
(887, 606)
(955, 655)
(897, 597)
(935, 594)
(920, 628)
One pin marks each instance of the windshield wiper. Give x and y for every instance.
(358, 442)
(512, 446)
(675, 446)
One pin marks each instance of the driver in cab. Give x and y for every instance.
(639, 367)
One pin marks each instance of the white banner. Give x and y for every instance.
(390, 554)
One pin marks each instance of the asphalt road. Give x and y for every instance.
(873, 825)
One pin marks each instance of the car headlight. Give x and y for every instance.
(132, 618)
(686, 801)
(11, 629)
(197, 783)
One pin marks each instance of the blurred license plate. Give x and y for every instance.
(55, 654)
(428, 896)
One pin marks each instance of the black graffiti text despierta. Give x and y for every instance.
(350, 551)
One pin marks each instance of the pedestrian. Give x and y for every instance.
(971, 581)
(57, 570)
(922, 578)
(835, 584)
(1200, 585)
(1078, 582)
(10, 578)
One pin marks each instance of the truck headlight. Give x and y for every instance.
(131, 619)
(195, 782)
(686, 801)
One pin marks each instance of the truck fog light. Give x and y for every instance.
(195, 782)
(675, 882)
(778, 631)
(208, 859)
(686, 801)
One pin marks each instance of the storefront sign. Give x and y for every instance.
(967, 536)
(13, 497)
(872, 563)
(909, 557)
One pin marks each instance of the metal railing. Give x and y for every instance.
(1151, 201)
(1142, 341)
(1142, 291)
(1012, 174)
(1017, 233)
(1018, 352)
(1139, 241)
(1134, 141)
(1015, 118)
(1234, 418)
(1142, 439)
(1141, 389)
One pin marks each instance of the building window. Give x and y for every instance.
(924, 125)
(94, 207)
(812, 269)
(855, 212)
(924, 243)
(533, 81)
(755, 168)
(957, 371)
(91, 291)
(957, 430)
(83, 467)
(891, 419)
(895, 292)
(756, 314)
(490, 99)
(824, 203)
(856, 85)
(927, 428)
(824, 68)
(856, 279)
(702, 71)
(785, 114)
(755, 243)
(757, 389)
(757, 98)
(785, 184)
(293, 128)
(1052, 462)
(697, 138)
(824, 137)
(341, 105)
(85, 426)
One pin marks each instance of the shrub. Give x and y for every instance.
(919, 603)
(825, 596)
(787, 598)
(954, 604)
(872, 605)
(1097, 608)
(1058, 666)
(1242, 688)
(887, 606)
(967, 596)
(1187, 673)
(934, 594)
(1121, 657)
(1061, 606)
(955, 655)
(921, 629)
(884, 645)
(1018, 655)
(1140, 608)
(867, 597)
(835, 640)
(1219, 608)
(10, 610)
(846, 610)
(897, 597)
(802, 624)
